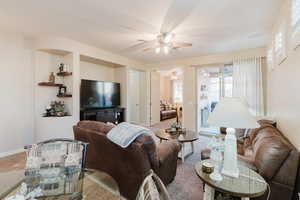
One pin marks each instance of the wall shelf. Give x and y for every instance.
(50, 84)
(64, 96)
(64, 74)
(57, 116)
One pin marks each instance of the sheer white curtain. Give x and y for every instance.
(177, 90)
(248, 83)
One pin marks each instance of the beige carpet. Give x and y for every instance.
(186, 185)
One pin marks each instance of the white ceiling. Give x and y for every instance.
(114, 25)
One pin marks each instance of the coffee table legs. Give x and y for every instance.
(193, 148)
(209, 193)
(182, 152)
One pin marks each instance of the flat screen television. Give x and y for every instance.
(99, 94)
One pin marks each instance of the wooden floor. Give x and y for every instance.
(13, 162)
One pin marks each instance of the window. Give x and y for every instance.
(280, 48)
(279, 43)
(295, 21)
(177, 91)
(270, 59)
(295, 15)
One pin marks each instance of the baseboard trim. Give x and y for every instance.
(9, 153)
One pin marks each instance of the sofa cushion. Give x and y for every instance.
(271, 152)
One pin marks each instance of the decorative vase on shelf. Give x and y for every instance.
(52, 78)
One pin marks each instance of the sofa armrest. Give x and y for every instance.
(167, 156)
(168, 149)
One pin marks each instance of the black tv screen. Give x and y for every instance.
(99, 94)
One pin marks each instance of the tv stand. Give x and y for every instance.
(113, 115)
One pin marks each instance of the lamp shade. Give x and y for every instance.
(232, 113)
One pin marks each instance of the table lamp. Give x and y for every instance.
(231, 113)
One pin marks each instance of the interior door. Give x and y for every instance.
(134, 96)
(155, 97)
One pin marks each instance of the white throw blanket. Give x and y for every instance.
(125, 133)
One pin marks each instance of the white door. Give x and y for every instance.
(155, 97)
(134, 96)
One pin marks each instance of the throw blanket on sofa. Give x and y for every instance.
(125, 133)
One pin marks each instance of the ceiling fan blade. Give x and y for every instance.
(177, 13)
(181, 44)
(142, 45)
(149, 49)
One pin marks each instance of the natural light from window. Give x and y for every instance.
(177, 91)
(278, 43)
(295, 16)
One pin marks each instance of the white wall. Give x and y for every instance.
(53, 127)
(17, 93)
(189, 98)
(165, 88)
(22, 67)
(283, 87)
(96, 72)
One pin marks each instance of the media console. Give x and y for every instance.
(113, 115)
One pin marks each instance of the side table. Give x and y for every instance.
(249, 184)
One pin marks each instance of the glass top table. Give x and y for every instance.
(183, 137)
(87, 185)
(249, 184)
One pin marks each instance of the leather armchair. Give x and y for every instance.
(131, 165)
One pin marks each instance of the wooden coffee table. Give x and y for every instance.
(183, 138)
(249, 184)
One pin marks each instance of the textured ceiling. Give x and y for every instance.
(114, 25)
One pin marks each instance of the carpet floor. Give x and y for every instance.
(186, 185)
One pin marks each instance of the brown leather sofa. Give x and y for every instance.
(268, 152)
(131, 165)
(167, 111)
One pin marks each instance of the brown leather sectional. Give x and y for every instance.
(131, 165)
(268, 152)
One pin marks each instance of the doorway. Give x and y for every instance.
(213, 83)
(166, 96)
(137, 95)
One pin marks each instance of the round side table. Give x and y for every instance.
(249, 184)
(182, 137)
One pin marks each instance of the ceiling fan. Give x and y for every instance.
(165, 41)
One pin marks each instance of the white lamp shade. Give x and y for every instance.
(232, 113)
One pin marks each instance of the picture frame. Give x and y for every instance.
(62, 90)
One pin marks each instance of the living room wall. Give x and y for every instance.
(165, 88)
(18, 124)
(284, 85)
(92, 71)
(17, 93)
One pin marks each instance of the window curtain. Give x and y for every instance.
(177, 90)
(248, 83)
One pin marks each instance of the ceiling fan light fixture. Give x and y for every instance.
(157, 50)
(168, 38)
